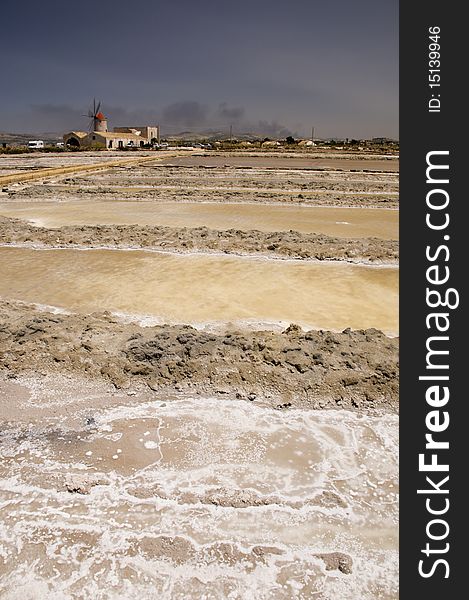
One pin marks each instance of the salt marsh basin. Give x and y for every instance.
(201, 289)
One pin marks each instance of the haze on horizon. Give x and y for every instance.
(268, 66)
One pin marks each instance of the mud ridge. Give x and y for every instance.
(315, 369)
(187, 194)
(287, 244)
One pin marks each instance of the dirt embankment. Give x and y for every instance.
(287, 244)
(315, 369)
(218, 195)
(224, 180)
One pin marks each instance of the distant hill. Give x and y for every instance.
(212, 135)
(22, 139)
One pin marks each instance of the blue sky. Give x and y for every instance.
(202, 64)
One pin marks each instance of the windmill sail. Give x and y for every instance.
(97, 121)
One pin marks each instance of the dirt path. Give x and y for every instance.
(64, 170)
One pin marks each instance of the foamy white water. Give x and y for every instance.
(199, 498)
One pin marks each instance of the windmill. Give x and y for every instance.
(98, 121)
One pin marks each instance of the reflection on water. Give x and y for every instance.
(199, 498)
(338, 222)
(204, 289)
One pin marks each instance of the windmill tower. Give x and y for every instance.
(98, 121)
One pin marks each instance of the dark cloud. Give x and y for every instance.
(119, 116)
(190, 115)
(58, 118)
(343, 78)
(55, 117)
(232, 113)
(186, 114)
(272, 129)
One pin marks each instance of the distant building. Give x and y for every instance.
(150, 132)
(75, 138)
(104, 139)
(121, 137)
(382, 140)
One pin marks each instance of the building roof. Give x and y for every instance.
(137, 127)
(78, 134)
(116, 136)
